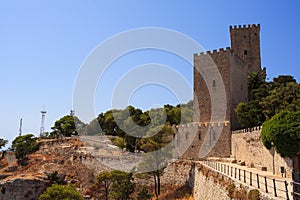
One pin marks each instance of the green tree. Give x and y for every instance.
(158, 153)
(2, 143)
(55, 178)
(144, 194)
(283, 132)
(284, 97)
(67, 126)
(122, 185)
(102, 185)
(256, 84)
(61, 192)
(250, 114)
(24, 145)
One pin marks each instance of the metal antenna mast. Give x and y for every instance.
(42, 130)
(20, 129)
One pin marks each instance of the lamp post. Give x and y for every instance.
(273, 154)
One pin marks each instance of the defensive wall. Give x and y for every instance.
(247, 146)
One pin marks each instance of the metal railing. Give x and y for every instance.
(279, 188)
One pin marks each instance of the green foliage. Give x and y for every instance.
(24, 145)
(56, 178)
(283, 131)
(285, 97)
(119, 122)
(112, 185)
(144, 194)
(2, 143)
(102, 186)
(67, 126)
(159, 153)
(268, 98)
(231, 189)
(61, 192)
(122, 186)
(250, 114)
(253, 195)
(119, 142)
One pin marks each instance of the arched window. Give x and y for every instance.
(245, 52)
(214, 83)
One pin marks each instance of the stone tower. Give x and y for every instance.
(245, 40)
(220, 83)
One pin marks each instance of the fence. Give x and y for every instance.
(279, 188)
(296, 185)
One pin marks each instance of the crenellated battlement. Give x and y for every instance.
(204, 124)
(213, 52)
(245, 26)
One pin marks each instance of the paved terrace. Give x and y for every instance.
(272, 186)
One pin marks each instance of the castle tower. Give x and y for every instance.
(220, 84)
(245, 42)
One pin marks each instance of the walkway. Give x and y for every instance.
(272, 185)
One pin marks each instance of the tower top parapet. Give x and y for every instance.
(215, 51)
(244, 26)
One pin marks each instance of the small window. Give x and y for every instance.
(245, 36)
(187, 136)
(199, 136)
(245, 52)
(214, 83)
(242, 87)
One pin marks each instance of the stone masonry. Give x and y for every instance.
(220, 83)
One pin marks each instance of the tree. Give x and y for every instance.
(2, 143)
(250, 114)
(122, 186)
(24, 145)
(55, 178)
(284, 97)
(101, 188)
(283, 132)
(67, 126)
(61, 192)
(144, 194)
(158, 153)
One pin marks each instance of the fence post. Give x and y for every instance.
(257, 178)
(274, 183)
(235, 172)
(239, 174)
(266, 184)
(251, 178)
(244, 176)
(286, 190)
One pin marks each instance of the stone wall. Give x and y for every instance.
(179, 173)
(247, 146)
(206, 188)
(199, 140)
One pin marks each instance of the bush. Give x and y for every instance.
(144, 194)
(231, 190)
(61, 192)
(253, 195)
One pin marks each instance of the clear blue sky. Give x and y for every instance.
(43, 44)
